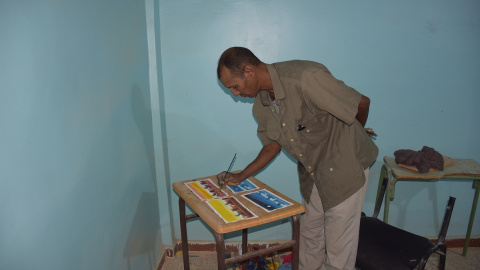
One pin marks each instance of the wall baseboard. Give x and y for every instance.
(165, 252)
(455, 243)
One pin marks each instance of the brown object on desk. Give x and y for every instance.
(458, 167)
(446, 162)
(219, 227)
(423, 160)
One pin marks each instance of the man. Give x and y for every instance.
(320, 122)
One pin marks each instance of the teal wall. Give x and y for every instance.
(78, 185)
(104, 104)
(418, 61)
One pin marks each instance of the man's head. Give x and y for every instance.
(237, 71)
(235, 59)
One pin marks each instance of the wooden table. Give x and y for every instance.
(220, 228)
(465, 169)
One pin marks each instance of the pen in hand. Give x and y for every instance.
(225, 176)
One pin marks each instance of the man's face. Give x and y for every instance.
(244, 86)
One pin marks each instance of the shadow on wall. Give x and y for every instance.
(144, 230)
(143, 119)
(404, 202)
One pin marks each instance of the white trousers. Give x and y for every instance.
(329, 240)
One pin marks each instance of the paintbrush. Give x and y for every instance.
(225, 176)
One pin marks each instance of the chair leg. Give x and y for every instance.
(421, 265)
(441, 250)
(443, 257)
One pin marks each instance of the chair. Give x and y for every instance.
(383, 246)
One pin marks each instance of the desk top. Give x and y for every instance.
(218, 225)
(460, 167)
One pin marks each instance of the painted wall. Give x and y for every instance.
(418, 61)
(77, 171)
(91, 91)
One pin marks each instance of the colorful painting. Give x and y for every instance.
(266, 200)
(205, 189)
(230, 209)
(245, 185)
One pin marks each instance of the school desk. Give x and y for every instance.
(220, 227)
(463, 169)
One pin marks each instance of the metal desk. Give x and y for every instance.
(465, 169)
(219, 227)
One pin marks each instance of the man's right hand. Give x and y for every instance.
(266, 155)
(232, 178)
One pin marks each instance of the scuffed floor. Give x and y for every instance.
(204, 260)
(455, 260)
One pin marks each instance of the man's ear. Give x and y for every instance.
(249, 70)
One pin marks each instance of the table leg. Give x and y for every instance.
(183, 228)
(220, 251)
(379, 199)
(476, 185)
(383, 172)
(244, 246)
(296, 238)
(389, 193)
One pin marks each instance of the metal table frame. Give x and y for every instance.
(220, 244)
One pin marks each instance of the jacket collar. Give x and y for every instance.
(277, 86)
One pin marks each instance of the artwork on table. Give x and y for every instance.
(230, 209)
(266, 200)
(245, 185)
(205, 189)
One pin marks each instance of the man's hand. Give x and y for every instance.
(370, 132)
(266, 155)
(363, 108)
(232, 178)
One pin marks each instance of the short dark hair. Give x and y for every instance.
(235, 59)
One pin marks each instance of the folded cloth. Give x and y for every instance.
(423, 160)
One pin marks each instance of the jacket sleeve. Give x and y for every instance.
(324, 92)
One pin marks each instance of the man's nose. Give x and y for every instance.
(235, 93)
